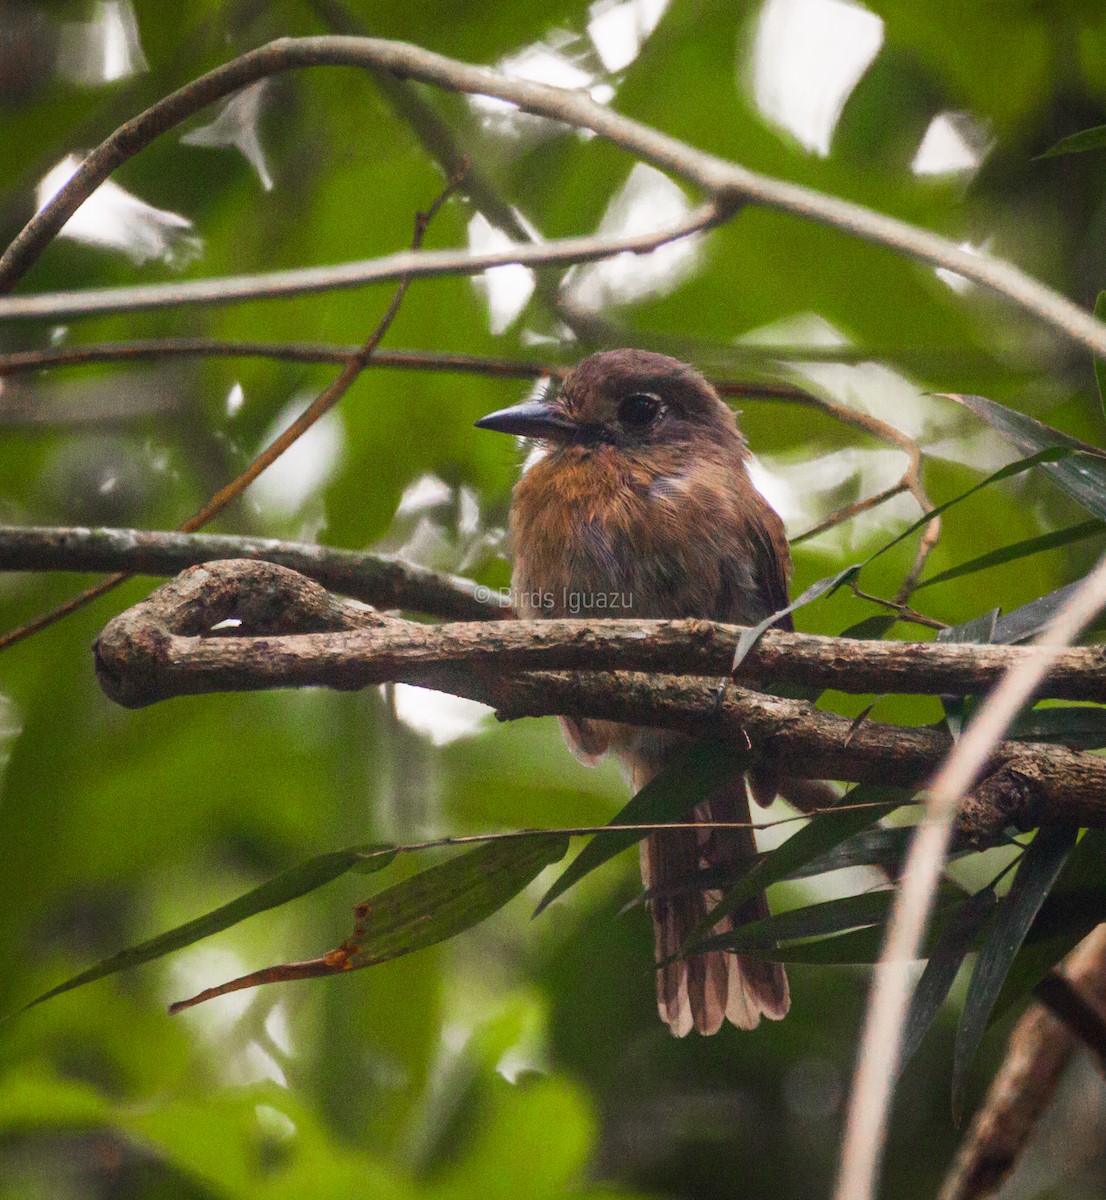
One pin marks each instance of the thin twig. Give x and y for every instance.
(904, 611)
(881, 1042)
(152, 349)
(728, 183)
(321, 405)
(407, 264)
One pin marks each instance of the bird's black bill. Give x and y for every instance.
(532, 419)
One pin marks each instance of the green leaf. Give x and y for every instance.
(1077, 726)
(289, 885)
(1075, 906)
(871, 848)
(1037, 872)
(1077, 143)
(1051, 454)
(1099, 363)
(1028, 620)
(829, 916)
(822, 834)
(449, 898)
(1018, 550)
(952, 946)
(1082, 475)
(753, 634)
(857, 946)
(695, 773)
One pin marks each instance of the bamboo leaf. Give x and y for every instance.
(1077, 143)
(693, 774)
(1077, 726)
(1037, 872)
(1051, 454)
(1074, 907)
(1081, 472)
(449, 898)
(289, 885)
(1018, 550)
(956, 939)
(822, 587)
(430, 907)
(829, 916)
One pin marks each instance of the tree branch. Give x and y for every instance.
(406, 264)
(729, 184)
(373, 578)
(302, 636)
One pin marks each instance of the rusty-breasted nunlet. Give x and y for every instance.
(642, 506)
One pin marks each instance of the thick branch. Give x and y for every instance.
(728, 183)
(157, 650)
(363, 657)
(376, 579)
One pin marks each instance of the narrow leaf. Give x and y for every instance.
(693, 775)
(290, 885)
(1075, 906)
(1077, 726)
(956, 939)
(1029, 620)
(1037, 872)
(871, 628)
(752, 635)
(1018, 550)
(1081, 473)
(822, 834)
(829, 916)
(1051, 454)
(430, 907)
(1076, 143)
(857, 946)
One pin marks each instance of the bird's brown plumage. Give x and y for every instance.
(633, 514)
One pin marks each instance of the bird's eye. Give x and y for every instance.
(639, 410)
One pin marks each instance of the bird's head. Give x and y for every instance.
(632, 400)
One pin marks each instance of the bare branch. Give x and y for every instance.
(153, 349)
(302, 636)
(729, 184)
(406, 264)
(373, 578)
(365, 657)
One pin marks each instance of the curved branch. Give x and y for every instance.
(399, 650)
(728, 183)
(302, 636)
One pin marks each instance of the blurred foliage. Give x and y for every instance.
(518, 1059)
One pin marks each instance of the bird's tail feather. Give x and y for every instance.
(703, 990)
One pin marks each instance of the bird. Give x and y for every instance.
(638, 503)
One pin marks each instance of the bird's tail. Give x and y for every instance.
(702, 990)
